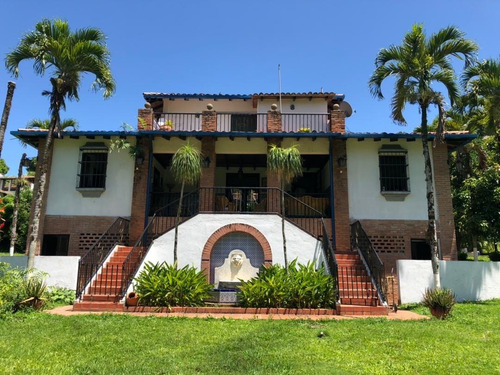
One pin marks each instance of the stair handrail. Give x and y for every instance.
(375, 266)
(93, 259)
(330, 259)
(312, 227)
(157, 226)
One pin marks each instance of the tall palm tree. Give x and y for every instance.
(45, 124)
(287, 163)
(67, 55)
(6, 111)
(186, 168)
(482, 81)
(417, 64)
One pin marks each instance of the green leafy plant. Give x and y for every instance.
(11, 290)
(162, 284)
(439, 301)
(301, 287)
(35, 287)
(60, 296)
(304, 130)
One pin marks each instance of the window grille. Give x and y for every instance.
(93, 163)
(393, 167)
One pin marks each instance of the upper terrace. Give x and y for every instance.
(272, 112)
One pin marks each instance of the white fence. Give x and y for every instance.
(471, 281)
(62, 271)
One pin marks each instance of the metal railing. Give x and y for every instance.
(166, 204)
(242, 122)
(92, 261)
(330, 259)
(361, 241)
(310, 123)
(178, 121)
(159, 224)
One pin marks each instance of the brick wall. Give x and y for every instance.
(83, 230)
(146, 115)
(337, 121)
(446, 222)
(274, 121)
(341, 198)
(139, 193)
(209, 121)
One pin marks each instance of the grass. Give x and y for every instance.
(120, 344)
(15, 254)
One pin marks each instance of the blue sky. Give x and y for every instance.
(233, 47)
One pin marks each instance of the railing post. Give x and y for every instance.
(209, 121)
(274, 121)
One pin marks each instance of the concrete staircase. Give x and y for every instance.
(104, 293)
(357, 294)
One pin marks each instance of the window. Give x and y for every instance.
(393, 169)
(243, 123)
(92, 170)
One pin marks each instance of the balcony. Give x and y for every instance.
(243, 122)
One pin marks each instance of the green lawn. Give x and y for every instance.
(467, 343)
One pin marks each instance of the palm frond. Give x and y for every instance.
(186, 164)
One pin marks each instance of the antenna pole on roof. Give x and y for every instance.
(279, 79)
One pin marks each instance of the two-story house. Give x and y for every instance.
(356, 191)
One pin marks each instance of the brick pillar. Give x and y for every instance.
(341, 197)
(337, 121)
(146, 116)
(36, 187)
(274, 121)
(445, 220)
(207, 179)
(139, 194)
(209, 121)
(273, 181)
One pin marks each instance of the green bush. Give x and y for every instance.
(60, 296)
(439, 301)
(462, 255)
(301, 287)
(162, 284)
(11, 288)
(494, 256)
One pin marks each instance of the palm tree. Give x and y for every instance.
(482, 83)
(287, 163)
(45, 124)
(416, 65)
(6, 111)
(68, 55)
(186, 168)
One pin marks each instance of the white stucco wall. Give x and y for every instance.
(365, 200)
(197, 106)
(62, 271)
(302, 105)
(64, 199)
(470, 281)
(194, 234)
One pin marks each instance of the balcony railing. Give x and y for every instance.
(178, 121)
(244, 122)
(308, 123)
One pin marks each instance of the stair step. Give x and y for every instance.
(100, 298)
(98, 306)
(345, 309)
(359, 301)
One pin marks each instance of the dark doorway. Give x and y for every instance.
(55, 244)
(420, 250)
(242, 179)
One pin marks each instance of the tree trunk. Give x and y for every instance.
(283, 223)
(431, 212)
(33, 240)
(13, 228)
(6, 111)
(177, 220)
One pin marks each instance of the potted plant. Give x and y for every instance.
(439, 301)
(132, 299)
(168, 125)
(304, 130)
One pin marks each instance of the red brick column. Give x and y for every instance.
(445, 222)
(139, 194)
(274, 121)
(207, 179)
(146, 115)
(337, 121)
(36, 188)
(273, 181)
(209, 121)
(341, 197)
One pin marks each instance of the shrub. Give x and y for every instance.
(61, 296)
(462, 255)
(495, 256)
(11, 288)
(162, 284)
(301, 287)
(439, 301)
